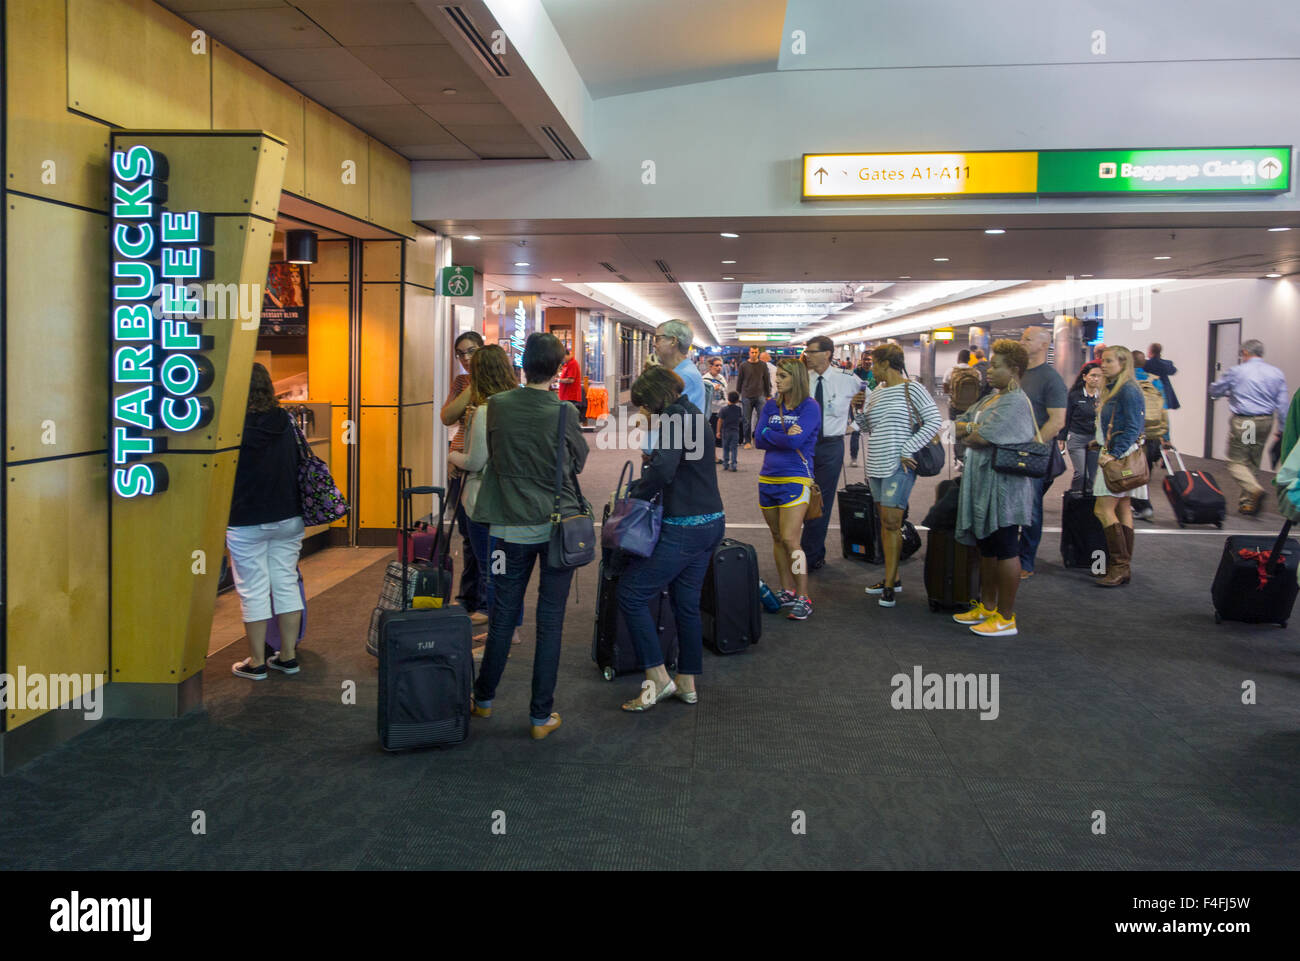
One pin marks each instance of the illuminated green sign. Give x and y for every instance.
(1227, 169)
(158, 365)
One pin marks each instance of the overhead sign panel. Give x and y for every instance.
(1047, 172)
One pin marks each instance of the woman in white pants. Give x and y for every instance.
(265, 531)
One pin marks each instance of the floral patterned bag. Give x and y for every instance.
(322, 502)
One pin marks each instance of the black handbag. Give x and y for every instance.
(1028, 459)
(929, 459)
(573, 538)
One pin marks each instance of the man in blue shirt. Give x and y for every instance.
(1255, 391)
(672, 344)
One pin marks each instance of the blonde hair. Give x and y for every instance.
(1125, 375)
(798, 382)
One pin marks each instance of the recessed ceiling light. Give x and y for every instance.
(1085, 275)
(449, 90)
(1161, 257)
(995, 230)
(557, 280)
(905, 277)
(728, 278)
(1275, 276)
(1275, 230)
(471, 237)
(728, 261)
(522, 263)
(940, 260)
(730, 236)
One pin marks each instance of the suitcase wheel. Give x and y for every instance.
(607, 673)
(1218, 618)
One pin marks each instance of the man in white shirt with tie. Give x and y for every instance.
(836, 390)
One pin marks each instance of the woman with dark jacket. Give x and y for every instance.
(516, 500)
(1162, 369)
(683, 472)
(1081, 420)
(264, 535)
(1121, 415)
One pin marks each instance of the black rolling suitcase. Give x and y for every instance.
(859, 524)
(429, 580)
(1081, 533)
(950, 569)
(730, 610)
(1194, 495)
(1256, 579)
(426, 672)
(611, 645)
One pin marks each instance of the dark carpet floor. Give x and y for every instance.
(1124, 705)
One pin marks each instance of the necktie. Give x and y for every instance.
(821, 403)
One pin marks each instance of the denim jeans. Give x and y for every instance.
(855, 442)
(470, 594)
(750, 408)
(1032, 534)
(828, 462)
(730, 445)
(679, 562)
(507, 606)
(483, 545)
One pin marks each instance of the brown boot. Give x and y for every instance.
(1129, 538)
(1117, 572)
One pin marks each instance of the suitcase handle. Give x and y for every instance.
(1164, 456)
(1276, 559)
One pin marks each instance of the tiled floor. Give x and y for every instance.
(320, 572)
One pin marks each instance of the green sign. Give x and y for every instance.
(1225, 169)
(457, 282)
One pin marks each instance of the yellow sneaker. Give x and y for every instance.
(995, 626)
(976, 615)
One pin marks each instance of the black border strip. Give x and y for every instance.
(4, 349)
(45, 460)
(401, 369)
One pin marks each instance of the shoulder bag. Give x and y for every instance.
(815, 505)
(573, 538)
(929, 459)
(1030, 459)
(633, 525)
(1125, 473)
(320, 498)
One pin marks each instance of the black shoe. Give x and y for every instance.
(818, 565)
(245, 668)
(886, 597)
(288, 667)
(879, 587)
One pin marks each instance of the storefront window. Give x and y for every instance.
(594, 362)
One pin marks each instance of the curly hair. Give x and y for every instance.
(1013, 354)
(261, 394)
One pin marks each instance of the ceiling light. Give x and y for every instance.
(471, 237)
(995, 230)
(1162, 257)
(1085, 275)
(557, 280)
(728, 278)
(728, 261)
(905, 277)
(1275, 276)
(522, 263)
(300, 246)
(730, 236)
(449, 91)
(940, 260)
(1275, 230)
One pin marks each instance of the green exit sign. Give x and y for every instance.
(1199, 170)
(457, 282)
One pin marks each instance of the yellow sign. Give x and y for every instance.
(943, 334)
(839, 176)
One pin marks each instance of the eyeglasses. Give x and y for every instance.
(466, 353)
(809, 350)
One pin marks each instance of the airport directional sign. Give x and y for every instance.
(986, 173)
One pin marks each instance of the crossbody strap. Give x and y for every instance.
(559, 465)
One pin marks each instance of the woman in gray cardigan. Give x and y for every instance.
(992, 506)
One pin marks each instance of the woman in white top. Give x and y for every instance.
(901, 418)
(490, 372)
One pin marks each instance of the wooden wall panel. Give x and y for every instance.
(339, 431)
(242, 181)
(331, 140)
(40, 128)
(390, 189)
(162, 610)
(380, 342)
(378, 438)
(327, 345)
(381, 260)
(417, 441)
(246, 97)
(56, 369)
(57, 595)
(131, 64)
(422, 259)
(333, 262)
(418, 358)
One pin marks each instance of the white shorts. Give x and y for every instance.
(264, 560)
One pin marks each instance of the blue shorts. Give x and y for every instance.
(894, 490)
(776, 492)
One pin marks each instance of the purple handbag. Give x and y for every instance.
(633, 525)
(322, 502)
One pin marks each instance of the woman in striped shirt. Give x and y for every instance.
(901, 418)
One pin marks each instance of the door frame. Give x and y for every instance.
(1212, 359)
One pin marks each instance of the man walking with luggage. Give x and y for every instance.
(754, 385)
(1256, 391)
(1046, 392)
(836, 391)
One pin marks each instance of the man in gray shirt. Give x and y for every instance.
(754, 385)
(1255, 391)
(1046, 391)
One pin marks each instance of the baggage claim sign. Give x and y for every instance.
(158, 365)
